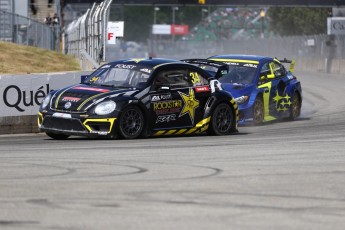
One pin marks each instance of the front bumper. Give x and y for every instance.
(75, 124)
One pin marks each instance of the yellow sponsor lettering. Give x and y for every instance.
(167, 104)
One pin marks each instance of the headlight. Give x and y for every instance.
(46, 101)
(105, 108)
(241, 100)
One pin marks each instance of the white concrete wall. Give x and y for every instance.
(21, 96)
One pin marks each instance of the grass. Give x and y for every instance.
(22, 59)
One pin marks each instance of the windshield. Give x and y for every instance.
(241, 74)
(122, 76)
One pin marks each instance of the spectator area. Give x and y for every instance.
(230, 23)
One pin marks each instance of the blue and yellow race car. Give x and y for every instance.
(264, 89)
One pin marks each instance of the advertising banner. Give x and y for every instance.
(161, 29)
(22, 94)
(114, 30)
(179, 29)
(170, 29)
(336, 25)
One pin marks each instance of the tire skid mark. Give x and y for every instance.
(67, 171)
(229, 200)
(17, 222)
(214, 172)
(72, 170)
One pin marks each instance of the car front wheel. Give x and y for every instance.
(295, 109)
(258, 111)
(221, 120)
(131, 123)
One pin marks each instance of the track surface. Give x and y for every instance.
(288, 175)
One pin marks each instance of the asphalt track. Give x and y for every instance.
(288, 175)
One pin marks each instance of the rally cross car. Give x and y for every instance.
(262, 86)
(133, 98)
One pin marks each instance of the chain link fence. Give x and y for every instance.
(21, 30)
(86, 39)
(87, 34)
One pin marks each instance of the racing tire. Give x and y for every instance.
(57, 136)
(258, 111)
(221, 120)
(131, 123)
(295, 109)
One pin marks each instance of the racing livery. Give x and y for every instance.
(133, 98)
(262, 87)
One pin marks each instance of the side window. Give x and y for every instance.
(278, 69)
(265, 70)
(172, 79)
(179, 78)
(264, 73)
(270, 71)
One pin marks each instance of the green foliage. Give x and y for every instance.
(298, 21)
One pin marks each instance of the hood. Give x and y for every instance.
(238, 90)
(79, 97)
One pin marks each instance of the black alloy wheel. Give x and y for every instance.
(221, 120)
(131, 123)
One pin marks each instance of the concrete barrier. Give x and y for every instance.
(21, 96)
(18, 124)
(336, 66)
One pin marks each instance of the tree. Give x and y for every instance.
(298, 21)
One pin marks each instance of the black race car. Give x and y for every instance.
(137, 98)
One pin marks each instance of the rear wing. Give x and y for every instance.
(292, 64)
(204, 63)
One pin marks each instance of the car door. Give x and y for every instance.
(177, 98)
(268, 82)
(279, 99)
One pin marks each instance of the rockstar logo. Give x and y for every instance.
(190, 103)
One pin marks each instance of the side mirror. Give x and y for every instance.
(270, 76)
(83, 77)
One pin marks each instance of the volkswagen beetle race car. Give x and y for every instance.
(262, 87)
(133, 98)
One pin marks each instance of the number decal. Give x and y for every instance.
(94, 79)
(195, 77)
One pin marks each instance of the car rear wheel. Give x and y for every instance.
(131, 123)
(221, 120)
(295, 109)
(57, 136)
(258, 111)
